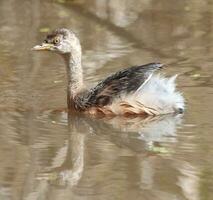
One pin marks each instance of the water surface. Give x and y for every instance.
(46, 154)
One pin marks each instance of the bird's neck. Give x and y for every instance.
(74, 74)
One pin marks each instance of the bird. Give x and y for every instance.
(137, 90)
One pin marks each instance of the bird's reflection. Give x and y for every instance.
(62, 148)
(147, 130)
(141, 135)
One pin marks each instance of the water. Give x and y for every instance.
(47, 155)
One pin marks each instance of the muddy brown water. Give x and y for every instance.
(47, 155)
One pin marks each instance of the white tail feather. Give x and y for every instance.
(157, 96)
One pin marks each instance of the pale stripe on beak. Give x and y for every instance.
(42, 47)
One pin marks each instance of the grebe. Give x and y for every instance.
(133, 91)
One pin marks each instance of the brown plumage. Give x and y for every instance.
(132, 91)
(124, 81)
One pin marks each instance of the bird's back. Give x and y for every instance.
(132, 91)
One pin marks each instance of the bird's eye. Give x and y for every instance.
(56, 40)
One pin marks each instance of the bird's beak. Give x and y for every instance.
(43, 47)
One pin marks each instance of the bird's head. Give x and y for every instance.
(61, 41)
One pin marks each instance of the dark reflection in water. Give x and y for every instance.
(45, 155)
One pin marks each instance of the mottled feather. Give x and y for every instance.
(124, 81)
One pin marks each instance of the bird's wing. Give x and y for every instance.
(124, 81)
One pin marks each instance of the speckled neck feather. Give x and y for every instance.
(74, 74)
